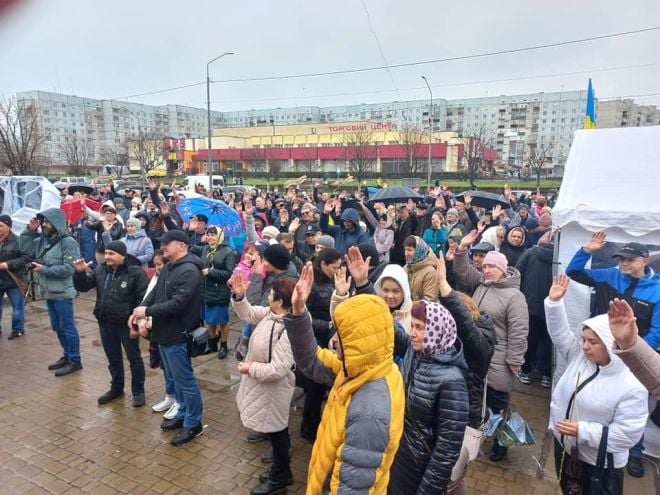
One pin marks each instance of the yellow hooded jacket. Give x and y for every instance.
(362, 421)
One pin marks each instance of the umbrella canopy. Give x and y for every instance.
(219, 213)
(395, 194)
(23, 197)
(484, 199)
(82, 188)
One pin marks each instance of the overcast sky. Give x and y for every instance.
(105, 49)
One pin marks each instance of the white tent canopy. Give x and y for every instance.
(22, 197)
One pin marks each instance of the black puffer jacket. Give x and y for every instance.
(318, 305)
(435, 419)
(116, 232)
(535, 267)
(16, 260)
(478, 338)
(513, 253)
(221, 265)
(118, 292)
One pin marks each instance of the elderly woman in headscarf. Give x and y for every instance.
(137, 242)
(219, 263)
(420, 268)
(437, 408)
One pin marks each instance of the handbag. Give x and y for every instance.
(197, 340)
(473, 439)
(597, 483)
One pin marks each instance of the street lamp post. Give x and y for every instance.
(208, 108)
(428, 178)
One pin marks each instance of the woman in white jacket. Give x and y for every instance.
(267, 381)
(596, 390)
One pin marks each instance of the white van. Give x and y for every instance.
(203, 180)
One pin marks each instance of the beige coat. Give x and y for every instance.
(422, 279)
(264, 395)
(506, 305)
(644, 362)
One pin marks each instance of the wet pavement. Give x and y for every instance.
(55, 438)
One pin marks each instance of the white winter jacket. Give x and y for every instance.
(265, 393)
(614, 397)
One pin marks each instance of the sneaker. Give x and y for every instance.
(109, 396)
(256, 437)
(635, 467)
(171, 424)
(187, 434)
(240, 351)
(138, 399)
(546, 382)
(164, 404)
(15, 335)
(524, 378)
(172, 411)
(68, 368)
(61, 362)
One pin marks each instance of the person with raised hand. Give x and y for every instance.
(355, 446)
(595, 391)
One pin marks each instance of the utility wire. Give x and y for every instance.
(410, 64)
(380, 49)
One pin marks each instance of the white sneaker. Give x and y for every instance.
(164, 405)
(172, 411)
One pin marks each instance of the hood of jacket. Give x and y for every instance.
(137, 235)
(56, 217)
(490, 236)
(398, 274)
(507, 238)
(351, 215)
(512, 280)
(601, 326)
(366, 331)
(453, 356)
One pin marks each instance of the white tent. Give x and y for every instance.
(23, 197)
(610, 183)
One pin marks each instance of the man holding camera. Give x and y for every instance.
(54, 252)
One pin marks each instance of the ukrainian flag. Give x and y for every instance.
(590, 117)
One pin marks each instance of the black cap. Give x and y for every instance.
(278, 256)
(6, 219)
(202, 218)
(633, 250)
(312, 229)
(117, 246)
(483, 246)
(422, 205)
(175, 235)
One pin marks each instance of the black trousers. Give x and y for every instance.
(539, 347)
(496, 400)
(314, 393)
(281, 445)
(113, 338)
(612, 478)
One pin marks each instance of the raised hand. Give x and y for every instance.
(238, 286)
(302, 290)
(441, 270)
(358, 266)
(468, 198)
(596, 242)
(469, 239)
(497, 211)
(151, 184)
(194, 223)
(248, 207)
(258, 265)
(342, 283)
(623, 323)
(450, 253)
(164, 209)
(558, 288)
(329, 205)
(80, 265)
(33, 225)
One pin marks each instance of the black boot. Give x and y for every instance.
(212, 346)
(497, 452)
(275, 484)
(223, 350)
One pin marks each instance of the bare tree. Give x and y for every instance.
(476, 138)
(256, 160)
(412, 141)
(308, 164)
(78, 150)
(361, 154)
(115, 156)
(147, 150)
(537, 154)
(22, 139)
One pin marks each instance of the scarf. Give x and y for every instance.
(420, 254)
(441, 332)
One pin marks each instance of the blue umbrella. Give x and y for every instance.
(219, 214)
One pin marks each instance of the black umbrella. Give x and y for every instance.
(484, 199)
(83, 188)
(395, 194)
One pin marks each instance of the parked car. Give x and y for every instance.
(67, 181)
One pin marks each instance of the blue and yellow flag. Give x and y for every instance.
(590, 117)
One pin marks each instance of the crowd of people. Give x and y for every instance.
(404, 323)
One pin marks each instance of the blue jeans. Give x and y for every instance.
(169, 381)
(638, 448)
(61, 319)
(17, 306)
(176, 360)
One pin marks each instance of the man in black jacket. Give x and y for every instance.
(174, 307)
(12, 260)
(120, 288)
